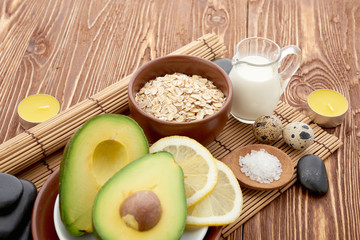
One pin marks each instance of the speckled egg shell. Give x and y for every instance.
(267, 129)
(298, 135)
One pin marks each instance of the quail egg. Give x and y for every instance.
(267, 129)
(298, 135)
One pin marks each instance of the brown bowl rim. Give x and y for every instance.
(213, 116)
(44, 208)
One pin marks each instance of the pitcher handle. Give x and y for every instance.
(287, 73)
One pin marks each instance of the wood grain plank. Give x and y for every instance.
(73, 49)
(18, 22)
(318, 27)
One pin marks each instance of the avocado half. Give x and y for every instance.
(128, 205)
(100, 148)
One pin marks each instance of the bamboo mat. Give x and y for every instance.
(234, 135)
(46, 158)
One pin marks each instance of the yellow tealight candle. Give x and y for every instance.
(327, 108)
(36, 109)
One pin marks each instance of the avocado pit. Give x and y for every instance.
(141, 210)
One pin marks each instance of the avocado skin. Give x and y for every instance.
(16, 221)
(66, 156)
(180, 205)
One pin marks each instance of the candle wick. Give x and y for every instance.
(331, 108)
(44, 107)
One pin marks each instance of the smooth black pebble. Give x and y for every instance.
(311, 173)
(10, 191)
(19, 217)
(224, 63)
(23, 234)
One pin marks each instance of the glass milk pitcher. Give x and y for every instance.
(257, 82)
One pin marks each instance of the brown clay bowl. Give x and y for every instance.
(205, 130)
(42, 223)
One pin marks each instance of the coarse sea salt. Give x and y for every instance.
(261, 166)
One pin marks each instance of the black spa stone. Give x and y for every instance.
(23, 234)
(18, 219)
(10, 192)
(224, 63)
(26, 234)
(311, 174)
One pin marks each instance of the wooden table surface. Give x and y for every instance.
(72, 49)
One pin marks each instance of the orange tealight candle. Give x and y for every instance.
(36, 109)
(327, 108)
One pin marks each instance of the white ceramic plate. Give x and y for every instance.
(190, 233)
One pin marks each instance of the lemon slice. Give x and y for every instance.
(199, 166)
(222, 206)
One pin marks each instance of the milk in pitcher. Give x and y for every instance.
(256, 88)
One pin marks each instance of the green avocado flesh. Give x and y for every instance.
(100, 148)
(158, 173)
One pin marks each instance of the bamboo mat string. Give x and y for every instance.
(97, 102)
(38, 142)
